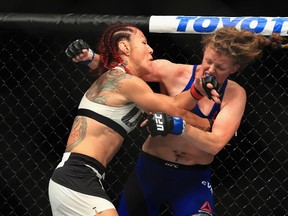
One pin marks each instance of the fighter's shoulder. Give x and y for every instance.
(235, 89)
(122, 79)
(234, 85)
(166, 66)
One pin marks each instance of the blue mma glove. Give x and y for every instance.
(75, 48)
(163, 124)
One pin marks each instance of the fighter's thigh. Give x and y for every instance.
(196, 200)
(109, 212)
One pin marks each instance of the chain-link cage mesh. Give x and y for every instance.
(40, 92)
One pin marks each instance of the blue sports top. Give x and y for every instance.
(216, 107)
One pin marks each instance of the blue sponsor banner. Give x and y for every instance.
(208, 24)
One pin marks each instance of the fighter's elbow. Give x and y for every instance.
(215, 151)
(217, 146)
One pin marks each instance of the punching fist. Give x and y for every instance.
(210, 86)
(163, 124)
(75, 52)
(213, 82)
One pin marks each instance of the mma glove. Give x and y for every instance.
(205, 80)
(76, 47)
(163, 124)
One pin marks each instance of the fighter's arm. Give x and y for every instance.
(138, 92)
(167, 72)
(203, 124)
(161, 71)
(225, 124)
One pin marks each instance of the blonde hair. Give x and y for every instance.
(242, 45)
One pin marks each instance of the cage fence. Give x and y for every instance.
(40, 92)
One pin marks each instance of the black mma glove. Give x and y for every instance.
(163, 124)
(205, 80)
(213, 81)
(75, 48)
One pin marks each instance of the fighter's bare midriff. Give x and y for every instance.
(175, 149)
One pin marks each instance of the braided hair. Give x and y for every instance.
(108, 47)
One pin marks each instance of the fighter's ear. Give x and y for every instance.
(124, 47)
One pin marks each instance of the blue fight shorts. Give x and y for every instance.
(186, 189)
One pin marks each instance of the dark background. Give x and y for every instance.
(149, 7)
(41, 90)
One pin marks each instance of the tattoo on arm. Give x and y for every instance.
(77, 134)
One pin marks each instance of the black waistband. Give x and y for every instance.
(78, 157)
(173, 164)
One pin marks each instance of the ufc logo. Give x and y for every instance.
(159, 122)
(171, 165)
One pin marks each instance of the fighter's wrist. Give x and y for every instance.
(96, 64)
(196, 94)
(178, 126)
(91, 52)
